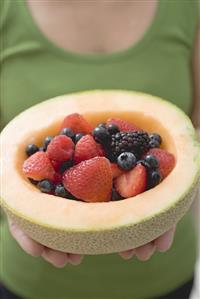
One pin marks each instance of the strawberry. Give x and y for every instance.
(165, 159)
(38, 167)
(123, 125)
(90, 180)
(77, 123)
(86, 148)
(116, 171)
(56, 164)
(101, 150)
(132, 182)
(57, 178)
(61, 148)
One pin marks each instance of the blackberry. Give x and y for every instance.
(135, 142)
(126, 160)
(31, 149)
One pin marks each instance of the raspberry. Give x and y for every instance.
(61, 148)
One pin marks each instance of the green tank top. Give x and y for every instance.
(34, 69)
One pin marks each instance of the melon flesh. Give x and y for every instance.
(97, 228)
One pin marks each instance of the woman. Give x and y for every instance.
(56, 47)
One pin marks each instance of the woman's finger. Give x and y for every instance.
(144, 252)
(164, 242)
(75, 259)
(128, 254)
(27, 244)
(56, 258)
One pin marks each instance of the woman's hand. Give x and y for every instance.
(143, 253)
(57, 258)
(60, 259)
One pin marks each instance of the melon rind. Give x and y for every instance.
(100, 228)
(105, 241)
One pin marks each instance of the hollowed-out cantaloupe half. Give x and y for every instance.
(96, 228)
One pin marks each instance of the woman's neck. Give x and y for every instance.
(93, 26)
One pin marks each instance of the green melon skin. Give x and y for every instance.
(114, 236)
(114, 240)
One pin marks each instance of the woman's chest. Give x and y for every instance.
(33, 79)
(93, 26)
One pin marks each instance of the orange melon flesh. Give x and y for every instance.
(93, 228)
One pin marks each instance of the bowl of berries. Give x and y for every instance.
(99, 178)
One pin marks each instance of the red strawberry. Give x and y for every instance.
(56, 164)
(77, 123)
(90, 180)
(166, 160)
(116, 171)
(87, 148)
(132, 182)
(61, 148)
(57, 178)
(101, 150)
(123, 125)
(38, 167)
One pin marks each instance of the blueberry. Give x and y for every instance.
(102, 125)
(115, 195)
(109, 154)
(62, 192)
(45, 186)
(152, 161)
(67, 132)
(65, 165)
(78, 136)
(31, 149)
(155, 137)
(113, 129)
(155, 140)
(154, 143)
(42, 149)
(47, 140)
(126, 160)
(101, 135)
(145, 164)
(34, 182)
(154, 178)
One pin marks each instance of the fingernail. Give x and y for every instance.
(167, 243)
(127, 255)
(75, 260)
(60, 265)
(145, 252)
